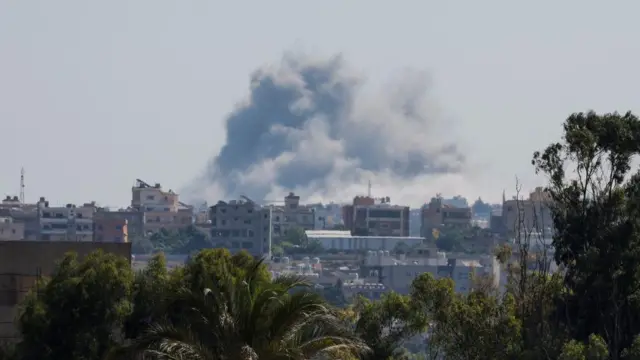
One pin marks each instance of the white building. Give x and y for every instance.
(344, 241)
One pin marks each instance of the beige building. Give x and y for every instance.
(162, 209)
(436, 215)
(23, 262)
(291, 215)
(11, 230)
(525, 215)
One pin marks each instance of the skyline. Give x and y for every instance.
(87, 112)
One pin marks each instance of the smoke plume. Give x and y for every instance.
(309, 126)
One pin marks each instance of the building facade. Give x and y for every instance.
(345, 242)
(525, 215)
(161, 209)
(241, 225)
(365, 217)
(65, 223)
(10, 230)
(291, 215)
(437, 214)
(110, 229)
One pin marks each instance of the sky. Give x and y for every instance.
(94, 95)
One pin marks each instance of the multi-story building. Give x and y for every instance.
(291, 215)
(162, 209)
(241, 225)
(437, 214)
(397, 274)
(526, 215)
(10, 229)
(344, 241)
(110, 228)
(67, 223)
(135, 220)
(366, 217)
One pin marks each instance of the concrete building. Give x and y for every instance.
(397, 274)
(437, 214)
(532, 214)
(10, 230)
(23, 262)
(110, 229)
(162, 209)
(291, 215)
(344, 241)
(366, 217)
(68, 223)
(241, 225)
(135, 219)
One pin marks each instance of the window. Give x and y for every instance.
(117, 239)
(250, 233)
(248, 221)
(235, 244)
(150, 197)
(223, 222)
(119, 227)
(13, 231)
(250, 211)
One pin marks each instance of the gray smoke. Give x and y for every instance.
(310, 126)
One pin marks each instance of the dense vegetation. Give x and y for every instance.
(220, 306)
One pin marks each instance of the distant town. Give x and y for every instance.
(370, 244)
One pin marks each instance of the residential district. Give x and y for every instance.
(366, 247)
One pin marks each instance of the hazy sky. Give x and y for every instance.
(96, 94)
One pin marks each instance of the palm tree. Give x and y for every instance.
(247, 319)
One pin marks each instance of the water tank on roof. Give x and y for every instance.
(386, 253)
(381, 253)
(316, 260)
(306, 260)
(286, 260)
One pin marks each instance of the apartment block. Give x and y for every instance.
(135, 220)
(110, 229)
(241, 225)
(366, 217)
(291, 215)
(526, 215)
(68, 223)
(10, 230)
(437, 214)
(162, 209)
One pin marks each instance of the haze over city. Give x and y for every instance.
(218, 100)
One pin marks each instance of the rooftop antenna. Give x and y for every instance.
(22, 185)
(369, 189)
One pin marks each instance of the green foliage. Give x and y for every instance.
(73, 314)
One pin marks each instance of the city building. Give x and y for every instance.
(327, 217)
(397, 274)
(438, 214)
(344, 241)
(368, 217)
(162, 209)
(110, 228)
(10, 230)
(22, 263)
(291, 215)
(135, 220)
(70, 222)
(524, 215)
(241, 225)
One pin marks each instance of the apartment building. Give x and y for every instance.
(397, 274)
(134, 219)
(344, 241)
(162, 209)
(437, 214)
(525, 215)
(368, 217)
(291, 215)
(110, 229)
(241, 225)
(65, 223)
(10, 230)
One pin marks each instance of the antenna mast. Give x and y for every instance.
(369, 189)
(22, 185)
